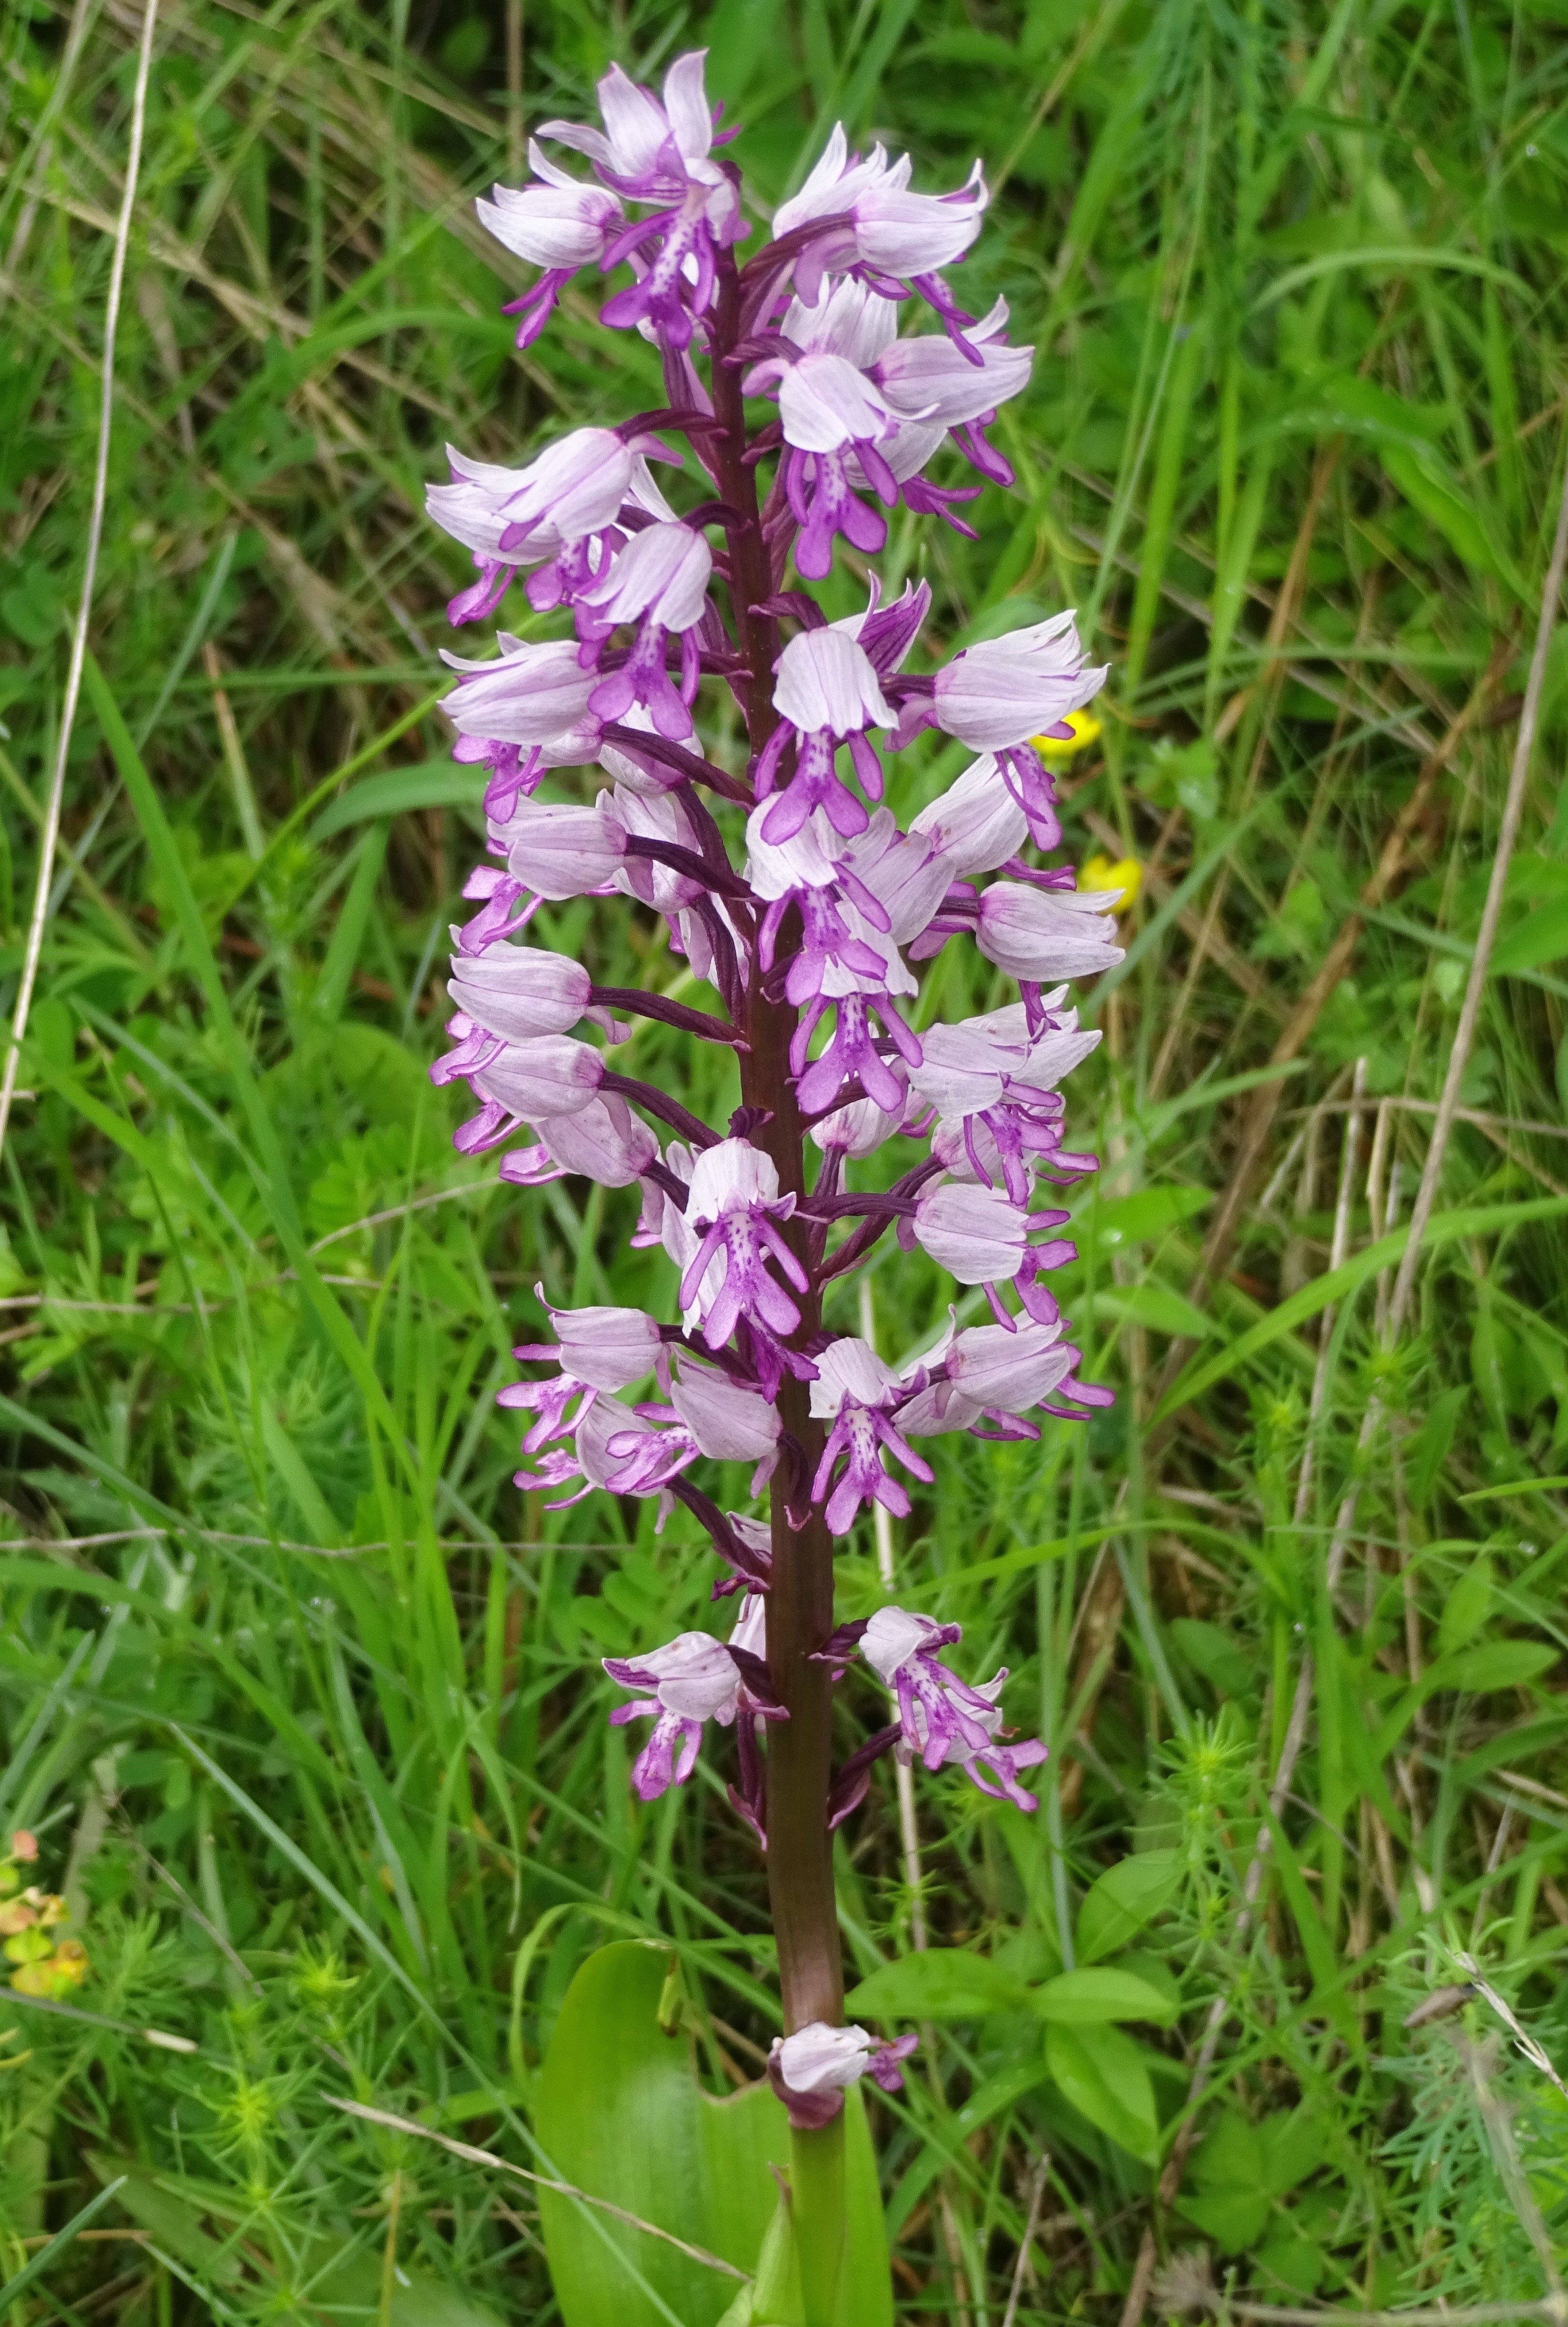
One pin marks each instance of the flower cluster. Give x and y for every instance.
(48, 1962)
(802, 407)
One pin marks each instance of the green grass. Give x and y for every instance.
(310, 1726)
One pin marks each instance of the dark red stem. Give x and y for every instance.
(801, 1601)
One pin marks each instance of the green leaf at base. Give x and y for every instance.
(622, 2115)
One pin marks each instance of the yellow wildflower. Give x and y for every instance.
(53, 1976)
(1086, 730)
(1127, 876)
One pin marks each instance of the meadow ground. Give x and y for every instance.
(300, 1696)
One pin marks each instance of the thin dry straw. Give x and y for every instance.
(89, 575)
(541, 2180)
(1491, 914)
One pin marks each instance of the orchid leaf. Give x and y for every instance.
(622, 2117)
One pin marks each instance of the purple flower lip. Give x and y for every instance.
(828, 693)
(733, 1214)
(855, 1392)
(941, 1717)
(694, 1679)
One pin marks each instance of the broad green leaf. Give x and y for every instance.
(433, 783)
(1104, 2075)
(1156, 1305)
(1540, 937)
(1100, 1992)
(1234, 2219)
(941, 1984)
(1419, 477)
(771, 2299)
(621, 2113)
(1121, 1901)
(1492, 1665)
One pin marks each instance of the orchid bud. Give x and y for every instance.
(564, 852)
(540, 1080)
(976, 824)
(1044, 934)
(1004, 690)
(520, 992)
(607, 1348)
(975, 1234)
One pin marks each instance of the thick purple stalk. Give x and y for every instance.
(800, 1603)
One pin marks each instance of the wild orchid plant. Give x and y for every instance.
(806, 414)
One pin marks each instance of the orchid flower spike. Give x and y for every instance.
(805, 394)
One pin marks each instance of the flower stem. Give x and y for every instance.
(800, 1603)
(821, 2224)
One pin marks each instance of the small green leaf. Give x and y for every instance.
(1134, 1220)
(348, 2296)
(1123, 1899)
(1293, 2145)
(1100, 1992)
(1296, 2263)
(941, 1984)
(171, 2216)
(1230, 2156)
(1464, 1610)
(1432, 1441)
(1217, 1654)
(1102, 2073)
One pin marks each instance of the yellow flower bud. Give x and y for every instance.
(1086, 730)
(1127, 876)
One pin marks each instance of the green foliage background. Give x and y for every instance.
(300, 1695)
